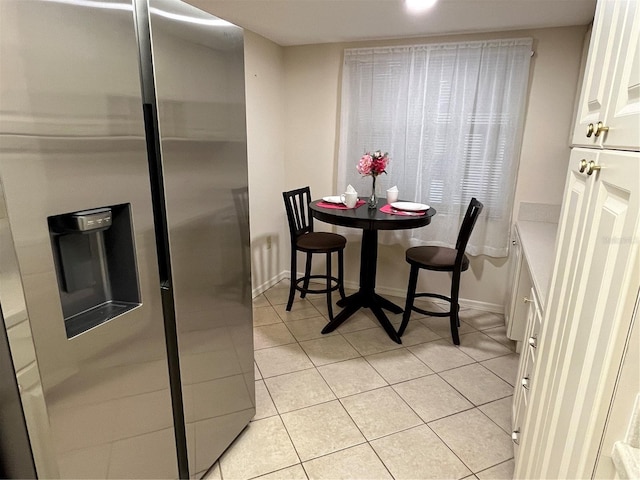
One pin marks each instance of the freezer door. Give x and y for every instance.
(199, 78)
(16, 459)
(72, 141)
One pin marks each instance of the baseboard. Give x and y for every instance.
(482, 306)
(464, 303)
(396, 292)
(269, 283)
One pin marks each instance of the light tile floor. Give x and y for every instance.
(355, 405)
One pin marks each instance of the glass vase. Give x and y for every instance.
(373, 199)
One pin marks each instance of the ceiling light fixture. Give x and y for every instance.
(417, 6)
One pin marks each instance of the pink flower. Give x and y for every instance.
(365, 164)
(373, 164)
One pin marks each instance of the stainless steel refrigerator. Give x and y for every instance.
(124, 272)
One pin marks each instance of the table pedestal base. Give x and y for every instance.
(371, 300)
(367, 297)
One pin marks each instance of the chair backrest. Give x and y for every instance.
(473, 210)
(296, 203)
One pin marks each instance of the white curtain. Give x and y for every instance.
(451, 117)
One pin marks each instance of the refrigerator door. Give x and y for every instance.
(74, 170)
(199, 78)
(16, 459)
(21, 368)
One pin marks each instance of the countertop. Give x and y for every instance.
(538, 241)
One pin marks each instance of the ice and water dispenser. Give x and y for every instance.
(95, 264)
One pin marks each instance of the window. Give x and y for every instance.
(451, 117)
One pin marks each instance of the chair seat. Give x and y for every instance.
(435, 258)
(320, 242)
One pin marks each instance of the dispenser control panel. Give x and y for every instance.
(88, 220)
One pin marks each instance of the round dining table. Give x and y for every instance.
(370, 221)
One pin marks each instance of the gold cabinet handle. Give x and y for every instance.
(590, 130)
(527, 300)
(533, 341)
(583, 165)
(592, 167)
(515, 436)
(600, 128)
(525, 382)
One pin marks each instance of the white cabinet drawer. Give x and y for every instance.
(526, 369)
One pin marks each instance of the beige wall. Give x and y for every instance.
(310, 125)
(264, 73)
(550, 113)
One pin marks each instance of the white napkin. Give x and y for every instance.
(350, 189)
(393, 189)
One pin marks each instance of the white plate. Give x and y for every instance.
(334, 199)
(410, 206)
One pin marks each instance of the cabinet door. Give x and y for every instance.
(517, 406)
(606, 284)
(518, 324)
(587, 328)
(599, 72)
(515, 265)
(621, 424)
(570, 230)
(623, 113)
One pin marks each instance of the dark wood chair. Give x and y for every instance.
(304, 239)
(441, 259)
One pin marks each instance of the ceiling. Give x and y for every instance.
(301, 22)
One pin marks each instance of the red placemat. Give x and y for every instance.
(338, 206)
(391, 211)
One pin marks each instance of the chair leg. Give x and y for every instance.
(341, 274)
(454, 317)
(411, 291)
(294, 268)
(307, 272)
(329, 299)
(454, 320)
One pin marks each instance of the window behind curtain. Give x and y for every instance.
(451, 117)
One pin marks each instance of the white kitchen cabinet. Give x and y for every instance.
(573, 222)
(623, 114)
(608, 113)
(520, 280)
(530, 258)
(622, 435)
(530, 275)
(515, 263)
(587, 320)
(526, 366)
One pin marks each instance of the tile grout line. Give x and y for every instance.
(347, 412)
(451, 449)
(388, 384)
(493, 466)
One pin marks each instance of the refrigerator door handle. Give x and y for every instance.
(157, 194)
